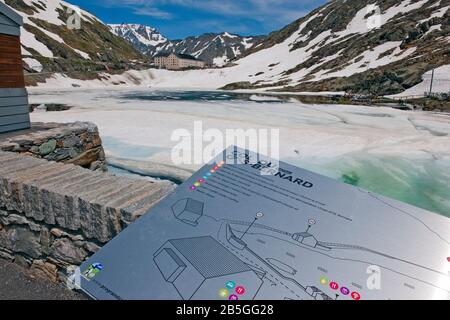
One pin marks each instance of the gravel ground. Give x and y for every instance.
(16, 283)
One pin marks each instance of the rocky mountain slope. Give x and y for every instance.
(142, 37)
(374, 47)
(366, 46)
(48, 45)
(215, 49)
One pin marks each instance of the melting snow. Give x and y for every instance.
(332, 140)
(81, 53)
(369, 60)
(48, 10)
(220, 61)
(441, 83)
(33, 64)
(29, 40)
(437, 14)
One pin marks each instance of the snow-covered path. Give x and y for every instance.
(404, 155)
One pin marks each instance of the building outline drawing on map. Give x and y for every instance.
(230, 241)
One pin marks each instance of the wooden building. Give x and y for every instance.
(14, 110)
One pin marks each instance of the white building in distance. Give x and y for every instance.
(177, 61)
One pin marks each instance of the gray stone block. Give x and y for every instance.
(88, 208)
(47, 147)
(65, 250)
(23, 240)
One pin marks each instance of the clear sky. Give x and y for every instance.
(180, 18)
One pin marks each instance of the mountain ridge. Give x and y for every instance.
(333, 48)
(48, 45)
(216, 49)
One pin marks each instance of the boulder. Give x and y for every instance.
(22, 261)
(45, 270)
(47, 147)
(57, 232)
(91, 247)
(86, 158)
(65, 250)
(72, 141)
(23, 240)
(15, 219)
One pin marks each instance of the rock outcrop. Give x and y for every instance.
(78, 143)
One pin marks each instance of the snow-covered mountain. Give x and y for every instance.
(364, 46)
(214, 49)
(49, 45)
(142, 37)
(378, 47)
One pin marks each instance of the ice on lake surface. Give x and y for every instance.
(125, 150)
(400, 154)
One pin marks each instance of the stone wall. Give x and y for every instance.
(53, 215)
(76, 143)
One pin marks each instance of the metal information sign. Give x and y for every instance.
(244, 228)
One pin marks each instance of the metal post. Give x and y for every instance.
(431, 84)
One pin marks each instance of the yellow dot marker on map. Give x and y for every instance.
(323, 280)
(223, 293)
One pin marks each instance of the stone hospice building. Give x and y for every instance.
(177, 61)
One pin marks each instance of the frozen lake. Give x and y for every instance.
(401, 154)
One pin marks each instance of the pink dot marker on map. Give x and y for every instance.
(334, 286)
(240, 290)
(356, 296)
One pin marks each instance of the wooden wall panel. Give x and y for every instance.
(11, 68)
